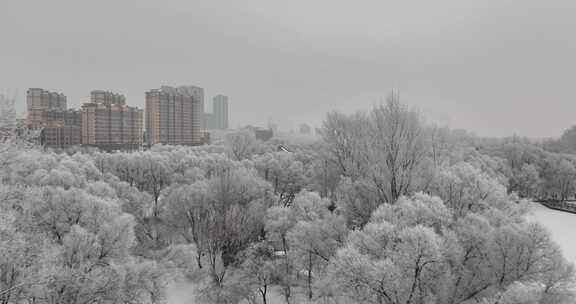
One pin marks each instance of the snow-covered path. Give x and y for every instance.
(180, 293)
(562, 225)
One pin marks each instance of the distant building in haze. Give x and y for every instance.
(109, 124)
(272, 125)
(260, 133)
(220, 110)
(209, 121)
(174, 116)
(263, 134)
(218, 119)
(305, 129)
(395, 95)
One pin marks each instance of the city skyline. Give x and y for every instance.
(22, 112)
(175, 115)
(458, 62)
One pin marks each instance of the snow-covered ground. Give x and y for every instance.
(562, 225)
(180, 293)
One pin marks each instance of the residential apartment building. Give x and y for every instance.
(59, 127)
(107, 98)
(174, 116)
(109, 124)
(197, 93)
(38, 101)
(60, 137)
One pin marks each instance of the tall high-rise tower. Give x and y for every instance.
(197, 93)
(174, 115)
(395, 95)
(220, 115)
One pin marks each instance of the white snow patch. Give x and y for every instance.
(562, 226)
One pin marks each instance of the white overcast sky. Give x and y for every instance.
(494, 67)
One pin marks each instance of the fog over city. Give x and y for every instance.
(287, 152)
(493, 67)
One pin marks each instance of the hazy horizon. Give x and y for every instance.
(497, 68)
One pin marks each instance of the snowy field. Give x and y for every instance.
(180, 293)
(562, 225)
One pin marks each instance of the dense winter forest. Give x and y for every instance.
(382, 208)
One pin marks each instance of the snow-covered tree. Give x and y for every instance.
(241, 145)
(416, 252)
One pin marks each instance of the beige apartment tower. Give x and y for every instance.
(47, 111)
(174, 116)
(38, 101)
(109, 124)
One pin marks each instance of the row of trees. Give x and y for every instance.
(383, 209)
(531, 170)
(66, 238)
